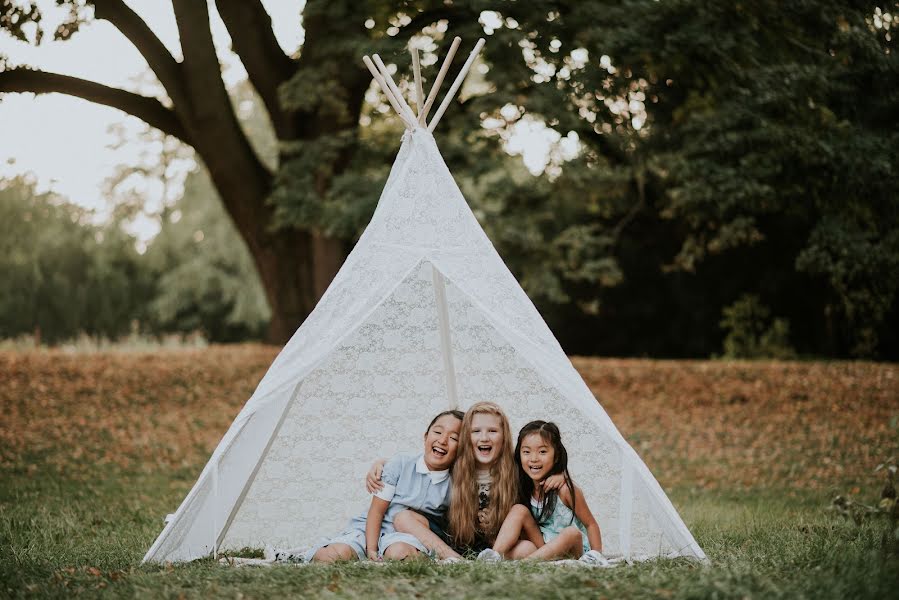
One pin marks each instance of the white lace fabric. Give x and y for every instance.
(366, 372)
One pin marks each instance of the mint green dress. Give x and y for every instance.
(561, 518)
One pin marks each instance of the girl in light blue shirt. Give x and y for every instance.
(418, 482)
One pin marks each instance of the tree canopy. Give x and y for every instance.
(735, 173)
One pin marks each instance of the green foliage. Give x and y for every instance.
(205, 279)
(788, 138)
(65, 277)
(725, 150)
(62, 274)
(885, 510)
(751, 333)
(860, 265)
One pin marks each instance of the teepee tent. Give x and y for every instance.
(422, 317)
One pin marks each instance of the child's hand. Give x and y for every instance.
(372, 555)
(553, 482)
(373, 481)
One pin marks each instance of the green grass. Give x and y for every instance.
(96, 447)
(60, 537)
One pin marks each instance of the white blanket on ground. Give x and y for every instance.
(294, 557)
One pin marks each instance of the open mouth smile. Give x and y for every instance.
(439, 451)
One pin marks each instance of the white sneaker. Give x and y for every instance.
(269, 553)
(594, 558)
(450, 560)
(489, 555)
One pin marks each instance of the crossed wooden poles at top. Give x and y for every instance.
(395, 97)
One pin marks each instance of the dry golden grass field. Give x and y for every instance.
(708, 424)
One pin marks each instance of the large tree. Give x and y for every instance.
(294, 263)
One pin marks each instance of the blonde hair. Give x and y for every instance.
(463, 511)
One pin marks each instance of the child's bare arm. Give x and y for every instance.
(373, 526)
(416, 524)
(373, 481)
(553, 482)
(584, 514)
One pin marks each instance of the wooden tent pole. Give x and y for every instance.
(387, 92)
(396, 91)
(423, 114)
(416, 71)
(456, 84)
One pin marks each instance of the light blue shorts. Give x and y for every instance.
(355, 539)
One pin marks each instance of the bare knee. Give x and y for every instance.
(334, 553)
(400, 551)
(522, 549)
(408, 520)
(519, 512)
(571, 536)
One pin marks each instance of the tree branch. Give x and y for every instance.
(252, 38)
(161, 62)
(640, 183)
(220, 141)
(147, 109)
(209, 100)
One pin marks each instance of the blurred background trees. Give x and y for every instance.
(63, 275)
(720, 177)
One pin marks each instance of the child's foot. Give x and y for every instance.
(489, 555)
(594, 558)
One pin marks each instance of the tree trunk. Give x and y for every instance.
(296, 268)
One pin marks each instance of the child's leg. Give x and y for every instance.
(568, 543)
(519, 526)
(334, 553)
(400, 551)
(417, 525)
(523, 549)
(349, 545)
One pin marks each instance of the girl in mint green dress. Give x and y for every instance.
(558, 523)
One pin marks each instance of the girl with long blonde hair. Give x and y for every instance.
(484, 490)
(485, 486)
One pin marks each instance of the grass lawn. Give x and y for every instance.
(96, 448)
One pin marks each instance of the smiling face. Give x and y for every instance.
(486, 438)
(441, 443)
(537, 456)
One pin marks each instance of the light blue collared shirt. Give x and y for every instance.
(408, 483)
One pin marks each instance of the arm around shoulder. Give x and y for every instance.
(373, 478)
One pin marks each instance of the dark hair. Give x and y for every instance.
(456, 413)
(549, 432)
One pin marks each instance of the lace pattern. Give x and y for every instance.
(364, 374)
